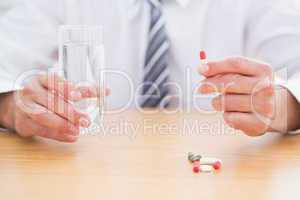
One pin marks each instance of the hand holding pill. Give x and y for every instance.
(246, 92)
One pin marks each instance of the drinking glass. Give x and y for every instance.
(81, 60)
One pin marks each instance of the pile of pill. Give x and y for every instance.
(204, 164)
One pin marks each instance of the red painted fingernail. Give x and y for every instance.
(204, 67)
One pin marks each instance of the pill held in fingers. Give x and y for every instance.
(202, 55)
(204, 64)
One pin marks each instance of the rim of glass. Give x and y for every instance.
(88, 33)
(81, 27)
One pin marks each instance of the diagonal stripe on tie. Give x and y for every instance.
(159, 81)
(156, 70)
(158, 57)
(156, 44)
(159, 25)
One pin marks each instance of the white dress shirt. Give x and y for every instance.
(267, 30)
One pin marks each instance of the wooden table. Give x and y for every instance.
(136, 156)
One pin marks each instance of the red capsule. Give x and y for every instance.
(196, 169)
(217, 165)
(202, 55)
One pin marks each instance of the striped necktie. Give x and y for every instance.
(156, 72)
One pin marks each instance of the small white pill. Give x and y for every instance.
(206, 168)
(209, 161)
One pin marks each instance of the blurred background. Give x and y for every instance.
(5, 5)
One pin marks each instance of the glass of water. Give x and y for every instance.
(81, 59)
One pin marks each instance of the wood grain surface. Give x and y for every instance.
(144, 156)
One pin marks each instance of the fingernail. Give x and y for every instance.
(75, 95)
(84, 122)
(73, 130)
(229, 120)
(203, 68)
(216, 104)
(107, 92)
(72, 138)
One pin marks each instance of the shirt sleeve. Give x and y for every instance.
(273, 36)
(292, 85)
(28, 40)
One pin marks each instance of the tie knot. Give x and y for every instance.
(155, 3)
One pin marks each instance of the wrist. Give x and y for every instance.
(7, 110)
(287, 112)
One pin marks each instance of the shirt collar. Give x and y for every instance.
(182, 3)
(132, 7)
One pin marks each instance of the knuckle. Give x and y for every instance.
(264, 107)
(256, 131)
(259, 130)
(228, 119)
(269, 91)
(252, 133)
(268, 108)
(68, 87)
(63, 127)
(267, 69)
(27, 91)
(217, 103)
(228, 78)
(77, 115)
(49, 79)
(72, 139)
(41, 78)
(30, 89)
(234, 77)
(239, 59)
(231, 80)
(237, 62)
(19, 129)
(208, 87)
(71, 113)
(62, 137)
(43, 132)
(37, 116)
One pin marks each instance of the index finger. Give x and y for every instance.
(237, 65)
(60, 86)
(90, 91)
